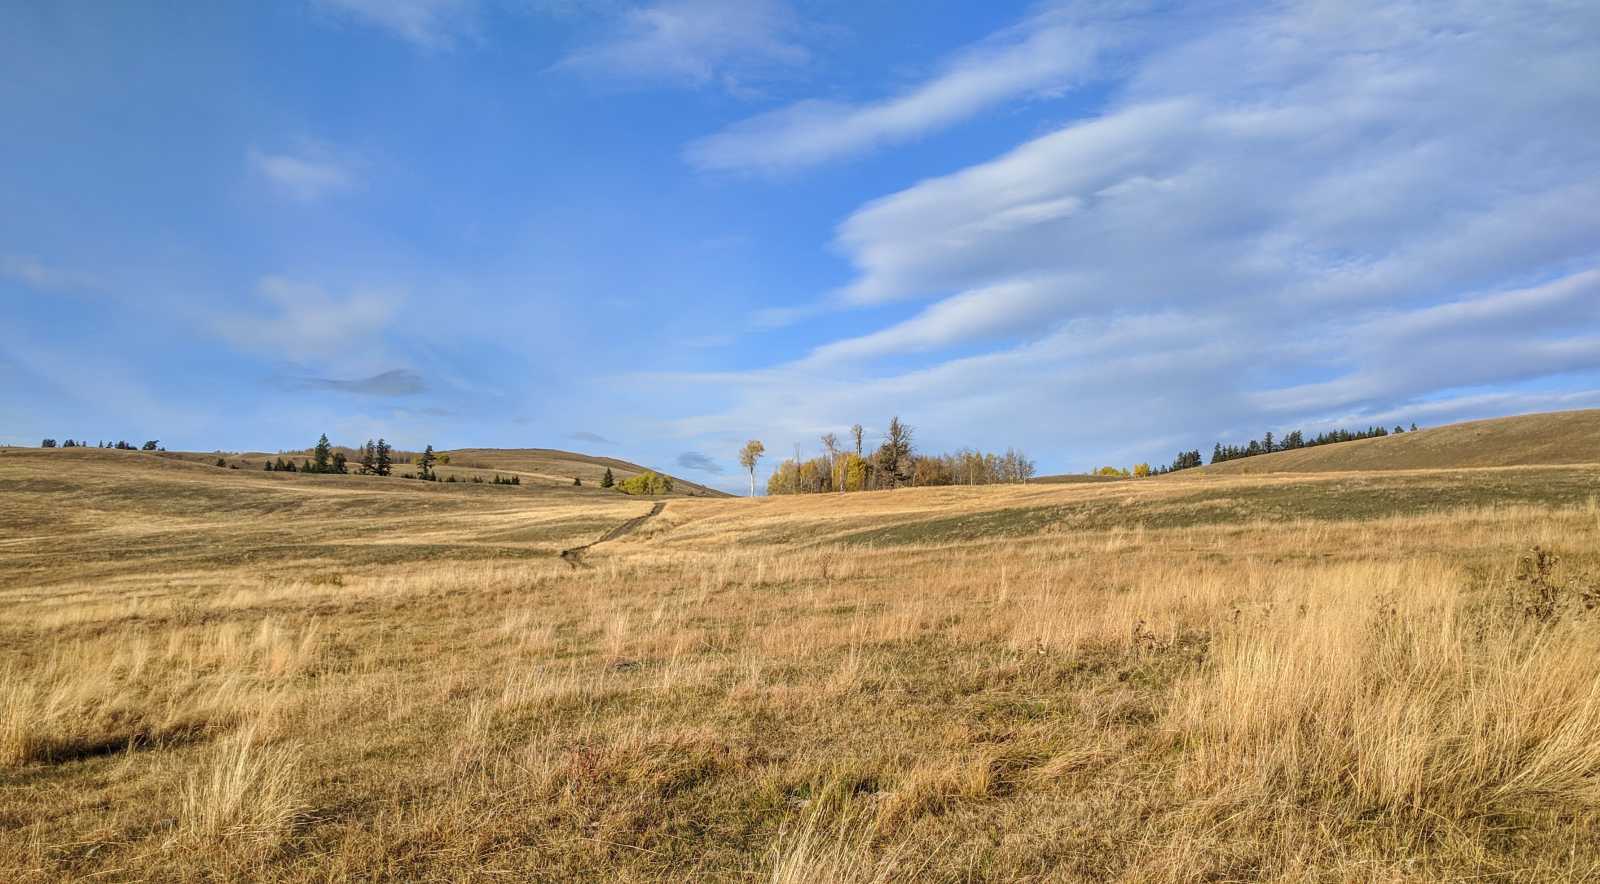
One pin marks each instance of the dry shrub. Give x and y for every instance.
(244, 797)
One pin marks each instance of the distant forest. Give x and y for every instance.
(1296, 440)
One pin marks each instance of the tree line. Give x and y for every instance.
(1267, 444)
(895, 463)
(374, 458)
(1296, 440)
(149, 445)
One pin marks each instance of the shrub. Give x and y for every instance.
(647, 482)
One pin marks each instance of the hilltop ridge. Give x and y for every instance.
(1544, 439)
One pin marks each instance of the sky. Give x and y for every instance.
(1099, 232)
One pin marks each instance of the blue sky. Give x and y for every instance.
(1097, 231)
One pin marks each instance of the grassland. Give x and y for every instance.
(213, 674)
(544, 467)
(1562, 437)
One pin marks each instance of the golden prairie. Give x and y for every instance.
(219, 675)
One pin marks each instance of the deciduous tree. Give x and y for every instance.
(749, 456)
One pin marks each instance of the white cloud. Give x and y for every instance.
(306, 174)
(1312, 212)
(430, 24)
(304, 323)
(1047, 53)
(696, 42)
(44, 277)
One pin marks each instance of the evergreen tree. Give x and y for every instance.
(369, 458)
(340, 465)
(267, 466)
(385, 462)
(322, 456)
(607, 480)
(425, 465)
(280, 466)
(222, 462)
(577, 481)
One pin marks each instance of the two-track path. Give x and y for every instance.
(574, 556)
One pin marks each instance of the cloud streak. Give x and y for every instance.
(695, 43)
(694, 460)
(303, 322)
(395, 382)
(1045, 54)
(305, 175)
(1306, 213)
(428, 24)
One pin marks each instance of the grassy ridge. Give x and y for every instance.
(1565, 437)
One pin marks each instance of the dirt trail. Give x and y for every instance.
(574, 556)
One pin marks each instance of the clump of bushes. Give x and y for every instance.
(647, 482)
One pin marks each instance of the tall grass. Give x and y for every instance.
(1377, 689)
(245, 794)
(1294, 700)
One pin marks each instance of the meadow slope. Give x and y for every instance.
(534, 466)
(213, 674)
(1563, 437)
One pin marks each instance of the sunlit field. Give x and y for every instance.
(215, 674)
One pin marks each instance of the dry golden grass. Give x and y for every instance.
(1562, 437)
(1332, 679)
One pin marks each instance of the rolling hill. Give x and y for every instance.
(1562, 437)
(535, 466)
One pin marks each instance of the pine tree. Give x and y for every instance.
(322, 457)
(425, 465)
(608, 480)
(369, 458)
(576, 481)
(385, 463)
(280, 466)
(267, 466)
(340, 465)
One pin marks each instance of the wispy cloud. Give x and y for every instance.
(694, 460)
(44, 277)
(306, 174)
(430, 24)
(303, 322)
(395, 382)
(696, 43)
(1298, 213)
(1047, 53)
(592, 438)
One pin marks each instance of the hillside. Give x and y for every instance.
(1562, 437)
(563, 466)
(544, 467)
